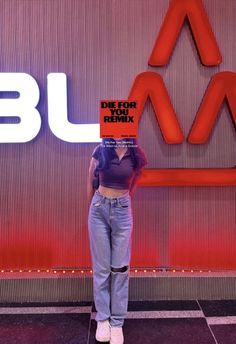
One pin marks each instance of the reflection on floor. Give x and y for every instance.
(157, 322)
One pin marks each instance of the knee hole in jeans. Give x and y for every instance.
(123, 269)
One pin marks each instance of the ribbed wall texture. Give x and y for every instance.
(102, 45)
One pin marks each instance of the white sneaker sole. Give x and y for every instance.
(102, 339)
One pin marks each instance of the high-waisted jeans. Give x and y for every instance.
(110, 225)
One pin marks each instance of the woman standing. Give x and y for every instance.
(115, 166)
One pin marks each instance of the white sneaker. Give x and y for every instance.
(117, 336)
(103, 331)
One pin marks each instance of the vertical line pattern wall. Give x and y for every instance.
(102, 45)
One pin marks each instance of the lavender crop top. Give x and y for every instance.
(120, 173)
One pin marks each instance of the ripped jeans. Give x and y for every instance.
(110, 225)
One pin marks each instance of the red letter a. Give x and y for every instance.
(222, 85)
(149, 84)
(201, 29)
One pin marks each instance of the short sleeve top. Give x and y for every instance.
(120, 173)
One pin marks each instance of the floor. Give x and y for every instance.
(156, 322)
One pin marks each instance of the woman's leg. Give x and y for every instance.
(100, 248)
(122, 225)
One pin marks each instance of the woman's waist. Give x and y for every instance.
(112, 192)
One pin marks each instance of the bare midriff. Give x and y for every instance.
(111, 192)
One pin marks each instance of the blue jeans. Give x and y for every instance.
(110, 225)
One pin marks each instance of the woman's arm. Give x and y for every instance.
(133, 184)
(90, 189)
